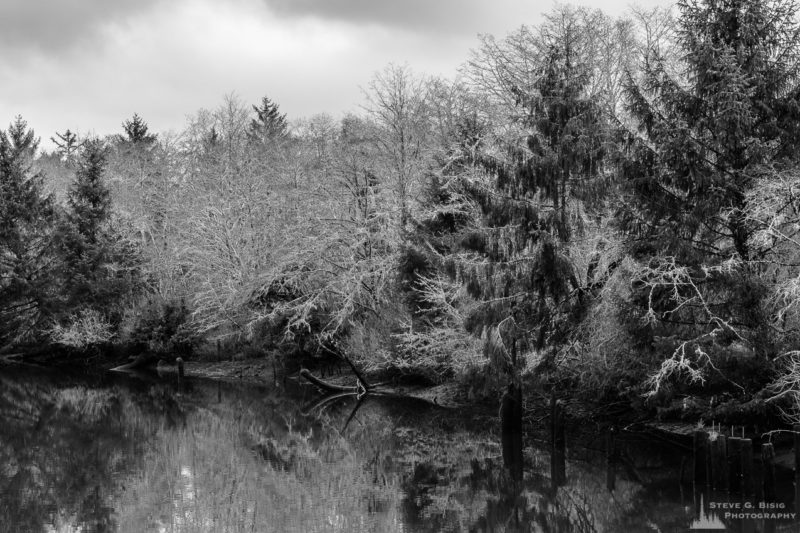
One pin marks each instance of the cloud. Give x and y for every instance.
(58, 26)
(88, 65)
(166, 63)
(445, 16)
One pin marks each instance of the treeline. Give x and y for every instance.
(601, 204)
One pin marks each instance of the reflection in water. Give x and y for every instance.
(132, 455)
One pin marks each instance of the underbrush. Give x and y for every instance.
(602, 357)
(619, 351)
(438, 354)
(87, 328)
(160, 326)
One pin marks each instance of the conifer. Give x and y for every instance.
(705, 138)
(269, 123)
(26, 217)
(531, 199)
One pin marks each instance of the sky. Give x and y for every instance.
(88, 65)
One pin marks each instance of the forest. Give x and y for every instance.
(602, 206)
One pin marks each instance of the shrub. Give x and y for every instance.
(87, 328)
(602, 355)
(436, 354)
(162, 326)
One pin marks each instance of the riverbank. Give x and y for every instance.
(756, 414)
(678, 419)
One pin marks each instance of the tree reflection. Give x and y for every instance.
(61, 449)
(152, 456)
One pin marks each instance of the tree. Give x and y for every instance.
(26, 218)
(606, 47)
(139, 166)
(23, 140)
(706, 139)
(89, 199)
(534, 195)
(269, 123)
(99, 266)
(239, 206)
(137, 131)
(396, 101)
(67, 145)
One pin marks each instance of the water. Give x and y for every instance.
(133, 454)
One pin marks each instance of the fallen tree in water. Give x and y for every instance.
(359, 387)
(440, 395)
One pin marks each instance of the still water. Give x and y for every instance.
(141, 454)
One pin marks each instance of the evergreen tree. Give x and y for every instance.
(137, 131)
(22, 140)
(706, 139)
(532, 201)
(269, 123)
(26, 217)
(704, 142)
(89, 199)
(99, 266)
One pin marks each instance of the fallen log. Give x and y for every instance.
(324, 385)
(440, 396)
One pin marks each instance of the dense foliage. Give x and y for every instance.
(607, 204)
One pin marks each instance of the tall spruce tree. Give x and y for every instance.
(89, 199)
(99, 266)
(26, 218)
(531, 209)
(137, 131)
(704, 141)
(270, 123)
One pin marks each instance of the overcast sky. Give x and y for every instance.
(88, 65)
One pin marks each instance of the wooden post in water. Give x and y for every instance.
(768, 459)
(219, 351)
(611, 458)
(511, 430)
(748, 470)
(735, 464)
(701, 455)
(558, 456)
(719, 462)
